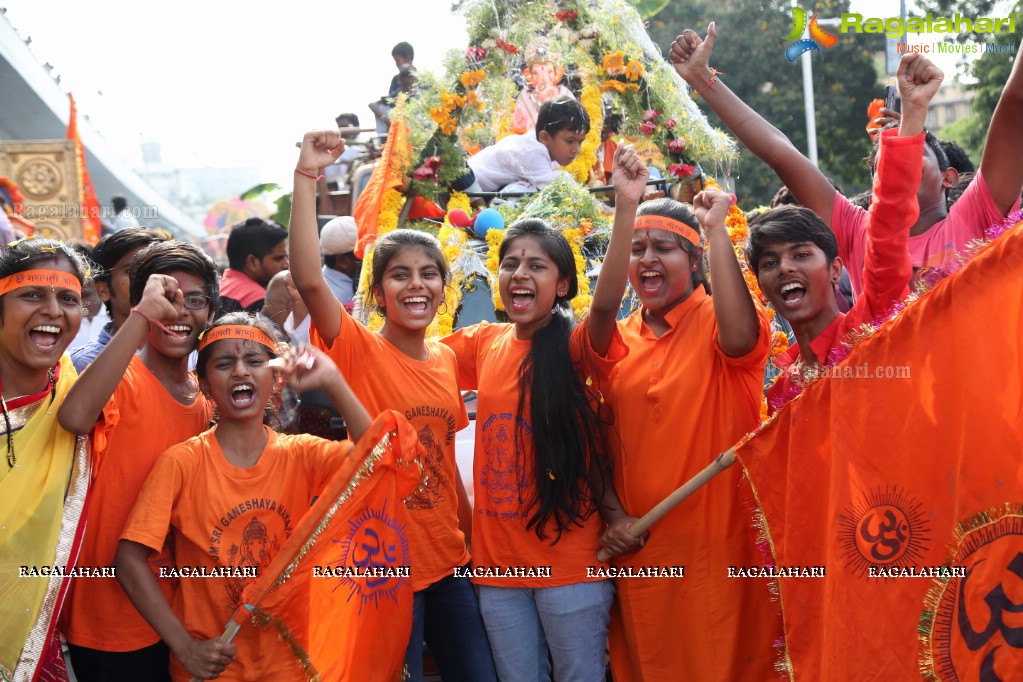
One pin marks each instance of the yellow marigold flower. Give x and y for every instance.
(449, 126)
(633, 70)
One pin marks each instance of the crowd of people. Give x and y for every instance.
(111, 459)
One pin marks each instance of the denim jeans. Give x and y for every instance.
(447, 615)
(570, 621)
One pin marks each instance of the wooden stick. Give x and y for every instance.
(226, 636)
(720, 463)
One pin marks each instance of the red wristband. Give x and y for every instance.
(712, 81)
(151, 321)
(308, 175)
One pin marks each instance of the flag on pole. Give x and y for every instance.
(901, 474)
(86, 194)
(339, 591)
(387, 174)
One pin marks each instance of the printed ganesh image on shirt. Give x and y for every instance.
(249, 535)
(442, 425)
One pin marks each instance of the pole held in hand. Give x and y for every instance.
(720, 463)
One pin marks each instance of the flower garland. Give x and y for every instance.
(582, 166)
(494, 239)
(453, 244)
(581, 303)
(390, 208)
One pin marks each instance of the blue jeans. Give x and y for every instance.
(570, 621)
(447, 615)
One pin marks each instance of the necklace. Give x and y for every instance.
(51, 388)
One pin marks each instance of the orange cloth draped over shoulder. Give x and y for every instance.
(907, 457)
(388, 174)
(349, 628)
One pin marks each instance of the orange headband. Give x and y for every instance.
(237, 331)
(40, 278)
(659, 222)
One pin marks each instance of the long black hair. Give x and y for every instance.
(567, 429)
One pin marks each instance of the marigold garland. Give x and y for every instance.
(581, 303)
(390, 208)
(591, 100)
(494, 239)
(453, 243)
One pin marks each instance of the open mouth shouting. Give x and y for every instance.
(417, 306)
(792, 293)
(45, 337)
(651, 281)
(243, 395)
(521, 298)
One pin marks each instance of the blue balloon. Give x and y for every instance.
(486, 220)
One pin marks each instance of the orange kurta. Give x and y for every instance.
(678, 401)
(140, 421)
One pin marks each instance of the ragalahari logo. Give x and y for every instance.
(818, 36)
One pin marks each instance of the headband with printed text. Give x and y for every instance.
(659, 222)
(237, 331)
(40, 278)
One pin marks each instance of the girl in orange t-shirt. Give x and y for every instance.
(400, 369)
(230, 497)
(540, 445)
(689, 389)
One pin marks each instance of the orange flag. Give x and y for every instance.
(389, 173)
(86, 194)
(907, 461)
(339, 591)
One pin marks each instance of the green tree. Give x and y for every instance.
(988, 73)
(750, 53)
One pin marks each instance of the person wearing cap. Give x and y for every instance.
(341, 267)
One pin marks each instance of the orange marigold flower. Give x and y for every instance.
(633, 70)
(449, 126)
(438, 114)
(471, 79)
(613, 86)
(614, 63)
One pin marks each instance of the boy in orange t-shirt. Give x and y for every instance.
(135, 405)
(230, 498)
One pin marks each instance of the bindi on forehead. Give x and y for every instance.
(523, 254)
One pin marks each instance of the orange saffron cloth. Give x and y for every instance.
(907, 457)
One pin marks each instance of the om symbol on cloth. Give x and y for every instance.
(886, 529)
(377, 541)
(976, 626)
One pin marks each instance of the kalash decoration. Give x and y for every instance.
(521, 54)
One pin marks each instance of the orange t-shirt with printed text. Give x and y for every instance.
(678, 402)
(140, 421)
(223, 515)
(489, 359)
(426, 392)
